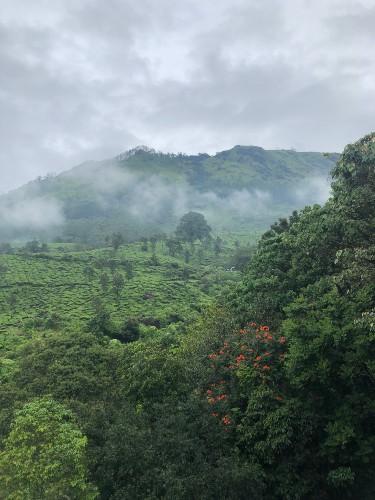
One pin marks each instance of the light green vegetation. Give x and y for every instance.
(59, 289)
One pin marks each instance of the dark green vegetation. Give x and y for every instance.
(268, 394)
(143, 192)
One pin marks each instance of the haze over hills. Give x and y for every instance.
(142, 191)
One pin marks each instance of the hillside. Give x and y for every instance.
(62, 288)
(142, 192)
(264, 391)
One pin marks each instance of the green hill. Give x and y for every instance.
(268, 393)
(142, 191)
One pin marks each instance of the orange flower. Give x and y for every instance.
(226, 420)
(222, 397)
(266, 367)
(240, 358)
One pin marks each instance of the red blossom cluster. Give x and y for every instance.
(240, 357)
(254, 347)
(226, 420)
(251, 349)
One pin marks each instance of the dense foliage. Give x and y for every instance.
(269, 394)
(44, 455)
(312, 279)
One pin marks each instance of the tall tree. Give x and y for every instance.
(116, 241)
(44, 455)
(193, 226)
(118, 283)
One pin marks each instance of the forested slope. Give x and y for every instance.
(270, 395)
(142, 192)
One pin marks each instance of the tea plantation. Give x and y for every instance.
(62, 287)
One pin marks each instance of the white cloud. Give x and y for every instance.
(34, 214)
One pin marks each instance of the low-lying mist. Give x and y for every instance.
(31, 213)
(102, 193)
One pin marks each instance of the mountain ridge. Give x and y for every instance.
(143, 188)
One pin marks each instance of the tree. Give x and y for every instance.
(129, 331)
(241, 258)
(154, 261)
(174, 246)
(116, 241)
(144, 246)
(218, 245)
(100, 323)
(129, 271)
(6, 248)
(153, 241)
(313, 276)
(89, 272)
(44, 455)
(3, 270)
(187, 256)
(12, 300)
(112, 264)
(32, 247)
(200, 255)
(193, 226)
(118, 283)
(104, 281)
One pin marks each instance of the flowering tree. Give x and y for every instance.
(249, 357)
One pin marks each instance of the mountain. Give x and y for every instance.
(142, 191)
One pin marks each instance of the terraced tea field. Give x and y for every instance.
(65, 284)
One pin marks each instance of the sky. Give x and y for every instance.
(88, 79)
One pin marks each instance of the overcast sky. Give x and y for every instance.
(87, 79)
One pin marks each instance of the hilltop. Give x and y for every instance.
(142, 191)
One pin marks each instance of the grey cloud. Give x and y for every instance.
(86, 80)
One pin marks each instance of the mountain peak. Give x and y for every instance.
(131, 152)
